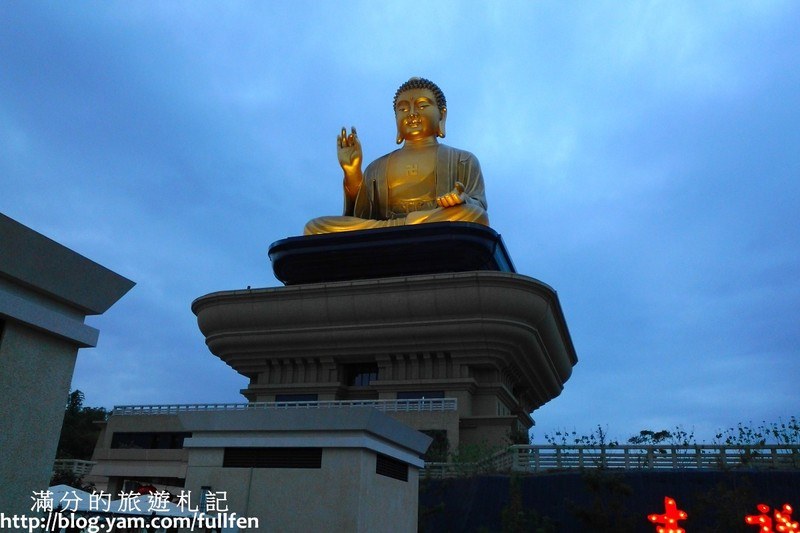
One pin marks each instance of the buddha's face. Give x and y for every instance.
(418, 117)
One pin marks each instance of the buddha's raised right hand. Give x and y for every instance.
(348, 148)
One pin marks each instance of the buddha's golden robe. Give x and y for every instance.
(374, 206)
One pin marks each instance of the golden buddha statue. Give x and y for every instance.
(423, 181)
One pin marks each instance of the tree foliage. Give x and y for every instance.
(677, 437)
(765, 433)
(79, 432)
(749, 434)
(599, 437)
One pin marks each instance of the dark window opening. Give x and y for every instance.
(420, 395)
(391, 467)
(437, 451)
(149, 440)
(272, 458)
(295, 397)
(361, 375)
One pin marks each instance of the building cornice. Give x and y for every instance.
(513, 318)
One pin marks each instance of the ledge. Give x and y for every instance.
(389, 252)
(33, 261)
(39, 317)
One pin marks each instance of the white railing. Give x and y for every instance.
(541, 458)
(78, 467)
(535, 458)
(386, 406)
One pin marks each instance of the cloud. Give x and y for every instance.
(641, 159)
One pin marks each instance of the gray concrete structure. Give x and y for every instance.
(259, 459)
(495, 341)
(46, 291)
(345, 493)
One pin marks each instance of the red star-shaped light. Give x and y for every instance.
(783, 520)
(669, 520)
(763, 521)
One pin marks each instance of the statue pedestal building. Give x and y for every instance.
(428, 323)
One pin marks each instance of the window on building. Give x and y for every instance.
(272, 458)
(149, 440)
(361, 374)
(295, 397)
(420, 395)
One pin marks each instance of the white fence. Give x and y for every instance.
(76, 466)
(432, 404)
(550, 458)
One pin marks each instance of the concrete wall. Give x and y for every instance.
(344, 495)
(34, 383)
(489, 431)
(387, 503)
(46, 291)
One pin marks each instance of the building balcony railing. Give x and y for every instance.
(386, 406)
(78, 467)
(542, 458)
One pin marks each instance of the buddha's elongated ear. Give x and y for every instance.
(441, 132)
(399, 138)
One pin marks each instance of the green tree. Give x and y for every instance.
(678, 437)
(79, 432)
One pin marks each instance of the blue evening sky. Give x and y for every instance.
(642, 158)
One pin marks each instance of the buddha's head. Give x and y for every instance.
(420, 110)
